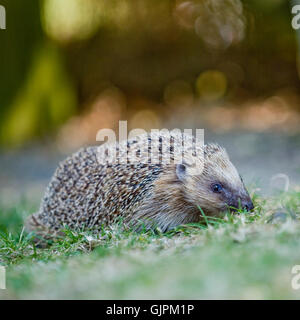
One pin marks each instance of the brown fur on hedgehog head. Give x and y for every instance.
(215, 185)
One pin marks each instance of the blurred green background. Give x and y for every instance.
(72, 67)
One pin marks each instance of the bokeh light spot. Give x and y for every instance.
(145, 119)
(211, 85)
(69, 19)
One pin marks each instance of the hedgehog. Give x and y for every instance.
(95, 187)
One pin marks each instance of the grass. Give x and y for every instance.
(242, 256)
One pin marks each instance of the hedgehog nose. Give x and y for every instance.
(247, 205)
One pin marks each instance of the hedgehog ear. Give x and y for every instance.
(181, 171)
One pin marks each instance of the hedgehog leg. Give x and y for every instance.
(41, 233)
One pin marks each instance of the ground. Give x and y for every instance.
(243, 256)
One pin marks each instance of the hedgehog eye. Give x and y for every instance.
(181, 171)
(217, 188)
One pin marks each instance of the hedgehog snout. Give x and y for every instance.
(244, 203)
(247, 204)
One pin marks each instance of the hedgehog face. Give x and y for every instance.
(213, 184)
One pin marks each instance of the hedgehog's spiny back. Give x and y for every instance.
(84, 193)
(88, 191)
